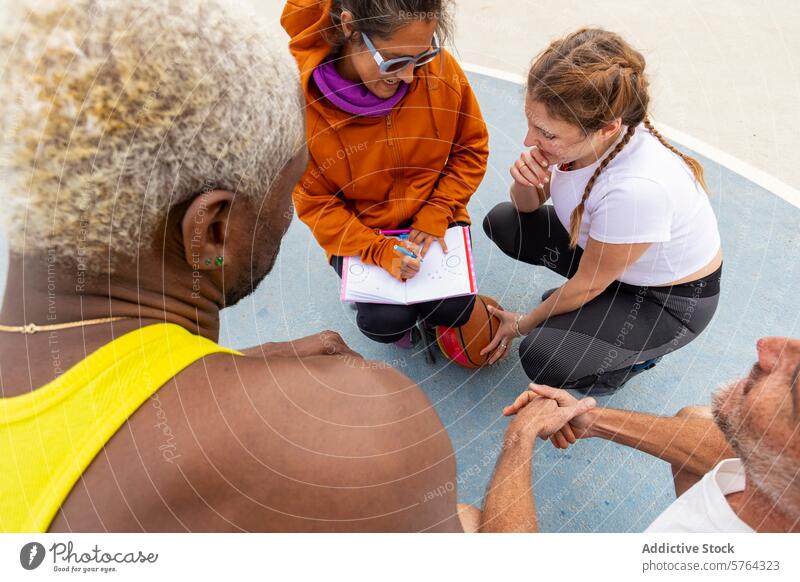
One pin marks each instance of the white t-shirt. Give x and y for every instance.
(646, 194)
(703, 508)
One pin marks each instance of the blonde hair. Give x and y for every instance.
(116, 110)
(591, 78)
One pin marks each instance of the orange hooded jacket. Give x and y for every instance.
(419, 165)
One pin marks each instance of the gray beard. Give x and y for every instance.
(771, 471)
(729, 425)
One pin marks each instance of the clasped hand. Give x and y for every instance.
(551, 413)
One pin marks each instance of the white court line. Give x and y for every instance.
(767, 181)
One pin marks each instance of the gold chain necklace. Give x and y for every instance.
(32, 328)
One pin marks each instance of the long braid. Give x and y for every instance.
(577, 214)
(694, 165)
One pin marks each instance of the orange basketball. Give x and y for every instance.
(463, 344)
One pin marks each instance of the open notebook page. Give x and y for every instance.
(440, 276)
(444, 275)
(370, 284)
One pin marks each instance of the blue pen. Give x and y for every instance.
(406, 252)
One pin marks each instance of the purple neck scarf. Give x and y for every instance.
(354, 98)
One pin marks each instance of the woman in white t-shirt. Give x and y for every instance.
(630, 224)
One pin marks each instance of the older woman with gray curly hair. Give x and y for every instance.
(149, 152)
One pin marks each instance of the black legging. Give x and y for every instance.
(624, 325)
(388, 323)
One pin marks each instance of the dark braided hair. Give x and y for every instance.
(591, 78)
(696, 167)
(382, 18)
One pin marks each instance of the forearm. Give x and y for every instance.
(339, 231)
(600, 266)
(693, 443)
(509, 505)
(572, 295)
(336, 229)
(272, 350)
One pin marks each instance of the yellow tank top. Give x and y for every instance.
(49, 437)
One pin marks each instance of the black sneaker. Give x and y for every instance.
(428, 334)
(610, 382)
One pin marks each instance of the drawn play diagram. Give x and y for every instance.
(441, 275)
(452, 262)
(449, 266)
(357, 272)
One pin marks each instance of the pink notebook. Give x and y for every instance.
(441, 276)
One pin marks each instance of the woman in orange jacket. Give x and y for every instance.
(396, 140)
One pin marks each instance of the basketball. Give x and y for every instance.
(463, 345)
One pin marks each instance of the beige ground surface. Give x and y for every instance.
(726, 72)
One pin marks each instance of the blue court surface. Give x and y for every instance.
(595, 485)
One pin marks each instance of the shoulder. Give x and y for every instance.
(317, 444)
(630, 210)
(450, 74)
(636, 172)
(627, 188)
(298, 15)
(646, 158)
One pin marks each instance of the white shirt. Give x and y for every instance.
(703, 508)
(646, 194)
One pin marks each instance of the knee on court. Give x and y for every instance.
(378, 322)
(454, 312)
(542, 364)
